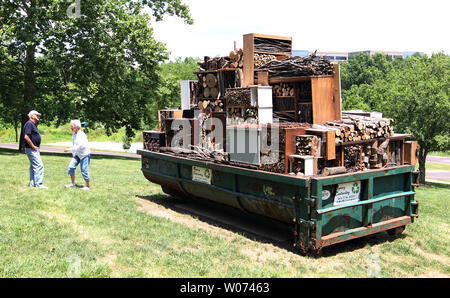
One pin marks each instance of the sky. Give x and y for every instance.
(325, 25)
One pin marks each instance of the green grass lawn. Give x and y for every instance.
(442, 154)
(431, 166)
(52, 134)
(121, 228)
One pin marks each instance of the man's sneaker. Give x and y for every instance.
(70, 185)
(85, 188)
(42, 186)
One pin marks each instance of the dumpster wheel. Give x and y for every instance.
(396, 231)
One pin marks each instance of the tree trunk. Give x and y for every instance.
(422, 165)
(16, 127)
(29, 90)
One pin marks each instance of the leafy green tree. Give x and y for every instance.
(363, 69)
(11, 84)
(168, 94)
(96, 59)
(418, 98)
(415, 93)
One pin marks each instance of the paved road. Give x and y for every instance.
(439, 159)
(46, 149)
(439, 174)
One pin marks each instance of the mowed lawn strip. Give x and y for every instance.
(120, 229)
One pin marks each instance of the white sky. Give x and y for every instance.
(325, 25)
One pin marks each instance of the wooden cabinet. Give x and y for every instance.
(278, 46)
(321, 102)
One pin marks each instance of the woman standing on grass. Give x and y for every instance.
(81, 154)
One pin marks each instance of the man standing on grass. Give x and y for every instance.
(81, 154)
(32, 143)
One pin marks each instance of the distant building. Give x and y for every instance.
(344, 56)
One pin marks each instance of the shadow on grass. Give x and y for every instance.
(238, 222)
(436, 185)
(234, 220)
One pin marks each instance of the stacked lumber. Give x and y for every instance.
(215, 63)
(238, 97)
(353, 128)
(153, 141)
(352, 158)
(298, 66)
(240, 115)
(263, 59)
(234, 60)
(210, 86)
(211, 105)
(308, 145)
(371, 128)
(283, 89)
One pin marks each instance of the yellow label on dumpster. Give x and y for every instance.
(201, 175)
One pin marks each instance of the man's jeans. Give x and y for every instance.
(36, 167)
(84, 164)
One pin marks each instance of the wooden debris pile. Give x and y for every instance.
(356, 128)
(272, 45)
(352, 158)
(238, 97)
(242, 115)
(308, 145)
(299, 66)
(275, 161)
(263, 59)
(234, 60)
(283, 89)
(211, 105)
(153, 141)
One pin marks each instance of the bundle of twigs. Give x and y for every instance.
(272, 45)
(284, 116)
(238, 97)
(299, 66)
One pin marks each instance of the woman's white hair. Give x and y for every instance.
(75, 123)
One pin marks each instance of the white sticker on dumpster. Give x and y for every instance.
(202, 175)
(347, 193)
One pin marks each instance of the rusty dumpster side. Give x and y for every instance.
(379, 200)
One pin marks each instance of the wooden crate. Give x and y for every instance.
(325, 97)
(410, 152)
(328, 141)
(169, 114)
(249, 54)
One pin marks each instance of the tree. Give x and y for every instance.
(99, 64)
(415, 93)
(418, 98)
(364, 69)
(168, 93)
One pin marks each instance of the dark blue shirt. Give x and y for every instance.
(31, 130)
